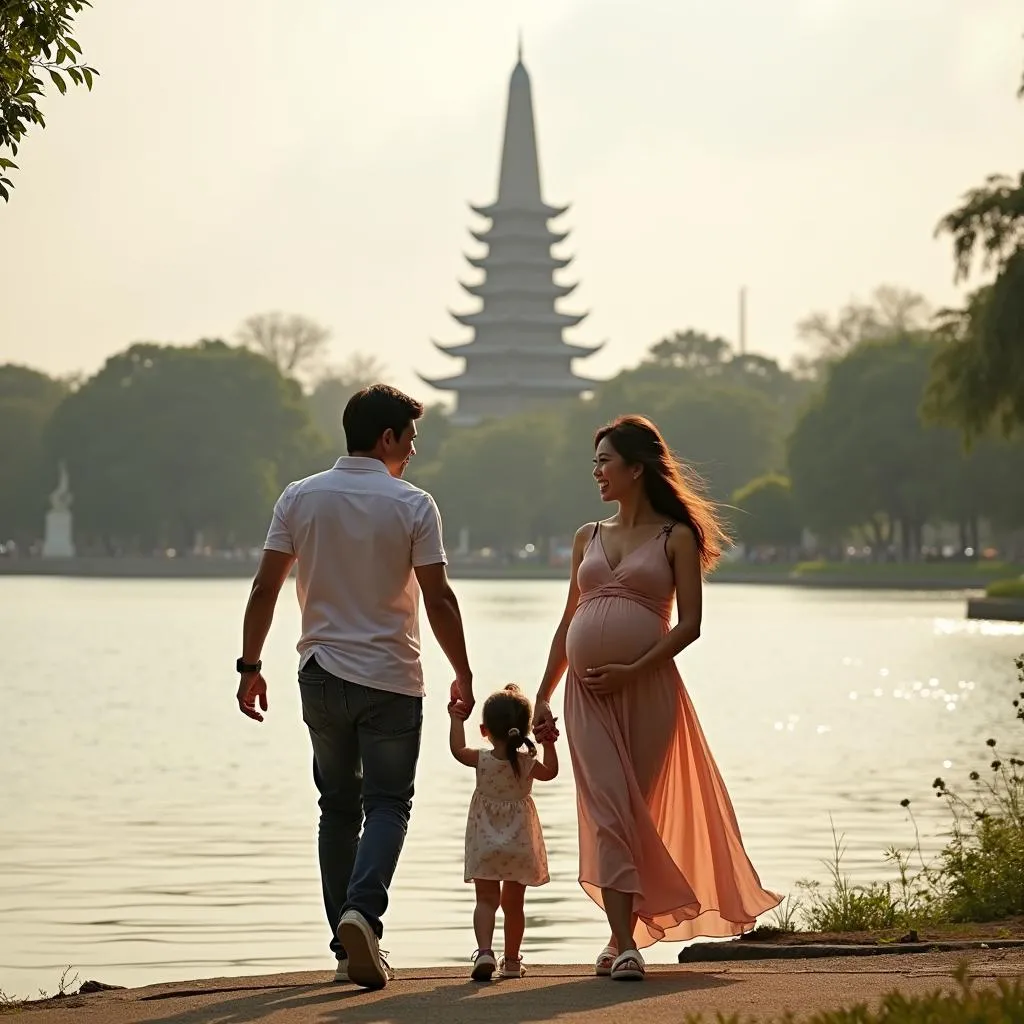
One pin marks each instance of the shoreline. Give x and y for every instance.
(568, 994)
(209, 568)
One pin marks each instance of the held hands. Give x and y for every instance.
(252, 687)
(461, 697)
(545, 729)
(547, 733)
(458, 705)
(608, 679)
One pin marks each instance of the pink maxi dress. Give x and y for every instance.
(655, 818)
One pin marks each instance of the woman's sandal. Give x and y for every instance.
(605, 959)
(511, 968)
(628, 966)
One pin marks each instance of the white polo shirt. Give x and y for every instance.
(356, 533)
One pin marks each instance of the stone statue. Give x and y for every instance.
(58, 541)
(60, 499)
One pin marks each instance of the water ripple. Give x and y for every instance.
(150, 833)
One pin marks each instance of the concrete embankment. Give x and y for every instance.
(569, 995)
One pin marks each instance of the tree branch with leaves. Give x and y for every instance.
(35, 44)
(977, 381)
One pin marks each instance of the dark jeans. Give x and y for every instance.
(365, 747)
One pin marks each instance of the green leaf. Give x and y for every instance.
(73, 44)
(75, 75)
(6, 164)
(59, 82)
(88, 73)
(4, 194)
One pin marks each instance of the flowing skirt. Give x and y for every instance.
(655, 818)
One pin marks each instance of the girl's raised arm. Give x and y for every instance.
(545, 768)
(457, 740)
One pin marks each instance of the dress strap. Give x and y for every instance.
(666, 532)
(597, 526)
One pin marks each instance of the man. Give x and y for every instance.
(367, 543)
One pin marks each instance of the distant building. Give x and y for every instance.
(517, 358)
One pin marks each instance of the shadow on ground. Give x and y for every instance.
(497, 1003)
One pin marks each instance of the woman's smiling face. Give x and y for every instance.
(615, 477)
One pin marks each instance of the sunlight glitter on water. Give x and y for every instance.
(982, 627)
(150, 833)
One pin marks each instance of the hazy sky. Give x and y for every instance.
(317, 156)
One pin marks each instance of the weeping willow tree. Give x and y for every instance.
(977, 381)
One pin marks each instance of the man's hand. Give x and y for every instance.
(456, 709)
(252, 687)
(462, 693)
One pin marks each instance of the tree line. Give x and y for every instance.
(837, 447)
(896, 418)
(170, 446)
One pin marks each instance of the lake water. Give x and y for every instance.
(149, 832)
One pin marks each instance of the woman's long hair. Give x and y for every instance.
(673, 489)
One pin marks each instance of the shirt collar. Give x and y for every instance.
(361, 463)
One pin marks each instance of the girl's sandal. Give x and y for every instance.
(628, 966)
(605, 959)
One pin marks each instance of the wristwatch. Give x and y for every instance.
(243, 667)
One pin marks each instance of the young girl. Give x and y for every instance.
(504, 843)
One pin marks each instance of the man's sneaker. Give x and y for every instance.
(365, 966)
(484, 965)
(510, 968)
(341, 973)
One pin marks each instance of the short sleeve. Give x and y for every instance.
(279, 536)
(427, 545)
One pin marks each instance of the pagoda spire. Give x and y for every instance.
(517, 357)
(519, 177)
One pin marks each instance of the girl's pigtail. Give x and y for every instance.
(512, 744)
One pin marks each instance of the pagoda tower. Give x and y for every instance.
(517, 358)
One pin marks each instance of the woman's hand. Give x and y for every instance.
(543, 719)
(548, 733)
(605, 680)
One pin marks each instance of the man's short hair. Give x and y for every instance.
(372, 411)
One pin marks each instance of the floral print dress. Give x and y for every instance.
(504, 841)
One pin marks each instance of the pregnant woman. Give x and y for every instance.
(660, 848)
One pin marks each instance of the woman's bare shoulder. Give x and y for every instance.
(682, 539)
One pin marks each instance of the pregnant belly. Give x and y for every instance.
(611, 630)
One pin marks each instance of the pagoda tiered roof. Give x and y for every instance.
(507, 348)
(518, 349)
(490, 289)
